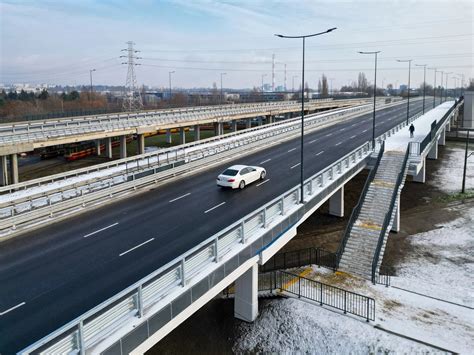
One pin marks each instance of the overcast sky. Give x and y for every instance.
(57, 42)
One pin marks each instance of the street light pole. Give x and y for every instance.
(441, 90)
(434, 87)
(222, 97)
(302, 104)
(263, 96)
(408, 93)
(90, 73)
(375, 94)
(169, 73)
(293, 80)
(446, 94)
(424, 83)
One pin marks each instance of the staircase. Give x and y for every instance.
(369, 228)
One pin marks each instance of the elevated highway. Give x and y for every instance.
(29, 135)
(54, 274)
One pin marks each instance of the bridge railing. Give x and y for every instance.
(33, 131)
(140, 174)
(186, 278)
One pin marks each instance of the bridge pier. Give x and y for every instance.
(269, 119)
(246, 295)
(182, 135)
(123, 147)
(14, 177)
(396, 218)
(259, 121)
(442, 138)
(433, 153)
(421, 176)
(218, 128)
(3, 170)
(234, 126)
(98, 149)
(248, 123)
(197, 132)
(448, 126)
(169, 138)
(336, 203)
(140, 143)
(108, 148)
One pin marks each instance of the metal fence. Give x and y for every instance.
(183, 280)
(324, 294)
(298, 258)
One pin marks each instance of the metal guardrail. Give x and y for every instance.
(58, 202)
(358, 206)
(301, 257)
(27, 132)
(324, 294)
(388, 217)
(225, 251)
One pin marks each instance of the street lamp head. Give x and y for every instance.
(332, 29)
(281, 36)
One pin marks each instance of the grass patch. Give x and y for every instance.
(459, 196)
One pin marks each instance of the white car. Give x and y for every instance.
(239, 176)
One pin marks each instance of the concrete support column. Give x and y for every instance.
(182, 135)
(421, 176)
(218, 128)
(260, 121)
(248, 123)
(197, 132)
(246, 295)
(396, 218)
(98, 150)
(140, 143)
(442, 138)
(448, 126)
(169, 138)
(234, 126)
(123, 147)
(433, 153)
(3, 170)
(108, 148)
(336, 203)
(14, 178)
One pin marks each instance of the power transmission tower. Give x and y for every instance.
(132, 100)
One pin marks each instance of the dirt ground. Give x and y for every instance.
(211, 329)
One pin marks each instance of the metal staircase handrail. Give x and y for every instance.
(388, 216)
(356, 210)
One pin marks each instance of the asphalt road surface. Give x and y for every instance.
(54, 274)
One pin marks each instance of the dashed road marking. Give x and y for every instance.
(265, 161)
(292, 149)
(137, 246)
(314, 140)
(321, 152)
(213, 208)
(294, 166)
(12, 308)
(100, 230)
(180, 197)
(354, 136)
(338, 143)
(263, 182)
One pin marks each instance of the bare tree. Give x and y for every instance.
(325, 87)
(362, 82)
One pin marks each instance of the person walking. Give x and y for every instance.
(412, 130)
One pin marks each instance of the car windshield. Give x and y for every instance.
(230, 172)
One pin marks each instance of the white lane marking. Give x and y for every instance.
(100, 230)
(365, 130)
(354, 125)
(180, 197)
(294, 166)
(342, 129)
(314, 140)
(321, 152)
(329, 134)
(263, 182)
(265, 161)
(355, 135)
(292, 149)
(137, 246)
(12, 308)
(213, 208)
(338, 143)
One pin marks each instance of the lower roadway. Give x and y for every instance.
(54, 274)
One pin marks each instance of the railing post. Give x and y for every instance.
(140, 301)
(345, 302)
(299, 287)
(80, 338)
(182, 273)
(368, 309)
(216, 251)
(242, 232)
(321, 294)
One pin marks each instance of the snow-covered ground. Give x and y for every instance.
(449, 176)
(431, 299)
